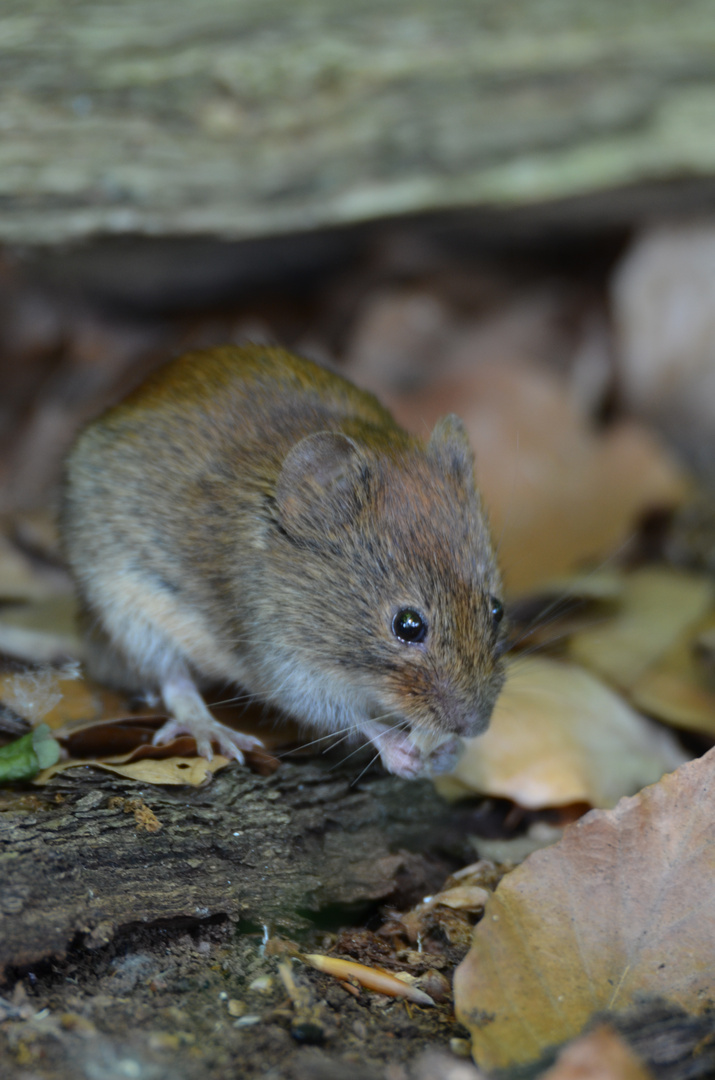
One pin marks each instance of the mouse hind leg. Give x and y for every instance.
(139, 657)
(106, 664)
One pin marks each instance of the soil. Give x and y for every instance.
(163, 1001)
(143, 929)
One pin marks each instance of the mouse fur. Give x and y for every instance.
(249, 517)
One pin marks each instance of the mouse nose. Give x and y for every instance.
(474, 721)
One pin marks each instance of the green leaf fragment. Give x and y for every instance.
(23, 758)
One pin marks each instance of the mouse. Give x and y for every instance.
(249, 517)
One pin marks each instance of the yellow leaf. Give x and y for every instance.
(658, 605)
(680, 689)
(560, 736)
(176, 770)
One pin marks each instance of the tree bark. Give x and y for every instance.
(234, 120)
(84, 861)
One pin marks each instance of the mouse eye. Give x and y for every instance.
(409, 626)
(496, 610)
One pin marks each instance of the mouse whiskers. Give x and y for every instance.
(340, 735)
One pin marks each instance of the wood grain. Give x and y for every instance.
(255, 118)
(266, 850)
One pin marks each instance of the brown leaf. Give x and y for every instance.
(621, 907)
(600, 1055)
(559, 493)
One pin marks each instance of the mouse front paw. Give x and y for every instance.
(397, 751)
(207, 732)
(402, 756)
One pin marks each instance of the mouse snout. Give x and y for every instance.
(469, 716)
(473, 722)
(465, 714)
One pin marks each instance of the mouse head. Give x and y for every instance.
(391, 565)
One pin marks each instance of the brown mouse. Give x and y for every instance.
(247, 516)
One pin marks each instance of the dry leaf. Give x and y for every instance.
(600, 1055)
(462, 898)
(680, 689)
(35, 693)
(511, 851)
(604, 585)
(560, 736)
(621, 907)
(565, 605)
(664, 316)
(98, 726)
(658, 605)
(174, 770)
(84, 705)
(559, 493)
(70, 705)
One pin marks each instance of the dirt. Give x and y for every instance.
(162, 1001)
(126, 958)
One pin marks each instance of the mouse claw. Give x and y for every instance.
(207, 731)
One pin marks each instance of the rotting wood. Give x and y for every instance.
(246, 847)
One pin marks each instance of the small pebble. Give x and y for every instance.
(164, 1040)
(461, 1047)
(360, 1030)
(435, 984)
(247, 1021)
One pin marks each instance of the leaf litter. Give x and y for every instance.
(562, 494)
(600, 1055)
(559, 735)
(658, 605)
(619, 909)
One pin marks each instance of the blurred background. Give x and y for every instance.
(501, 208)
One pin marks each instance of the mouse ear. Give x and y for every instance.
(449, 444)
(321, 483)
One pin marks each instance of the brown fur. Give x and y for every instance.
(247, 515)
